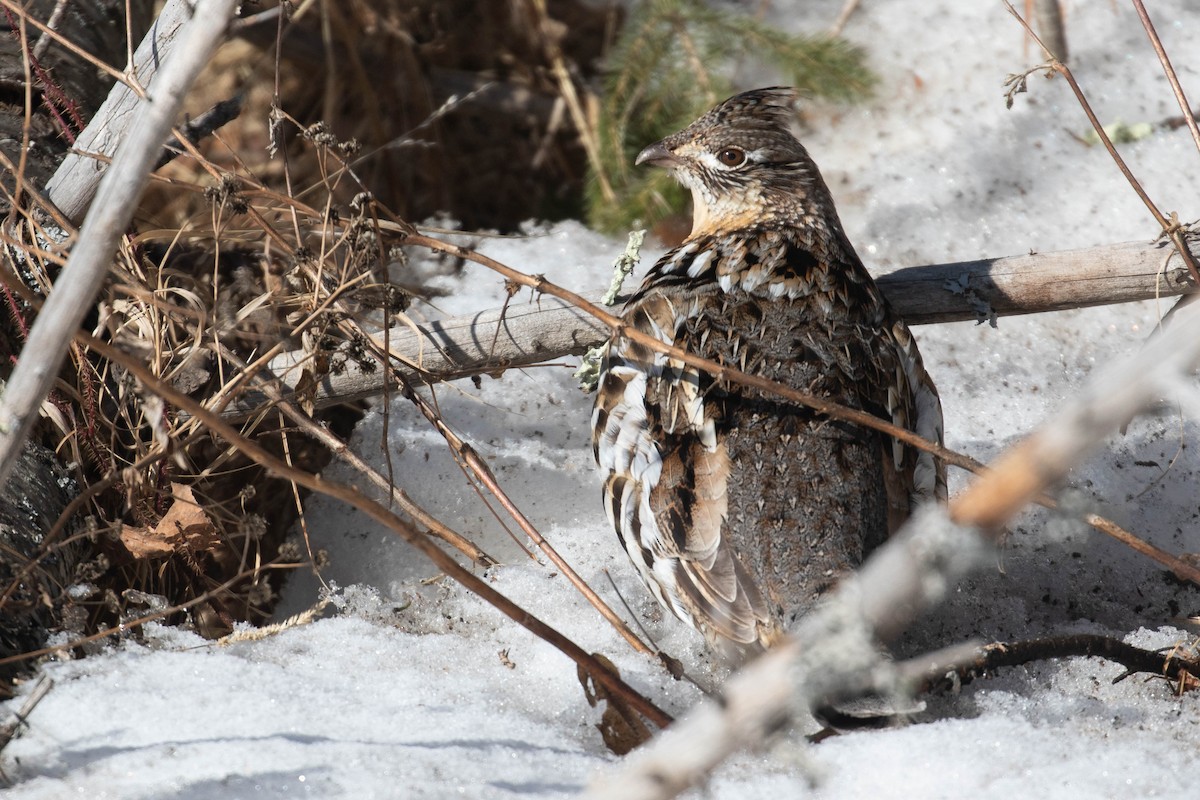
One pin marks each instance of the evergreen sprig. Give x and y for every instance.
(675, 59)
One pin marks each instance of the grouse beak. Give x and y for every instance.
(658, 155)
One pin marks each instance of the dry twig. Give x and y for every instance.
(1171, 228)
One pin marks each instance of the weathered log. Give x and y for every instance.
(1037, 282)
(75, 182)
(548, 328)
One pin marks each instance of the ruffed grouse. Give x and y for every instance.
(739, 508)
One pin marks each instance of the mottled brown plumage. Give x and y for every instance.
(737, 508)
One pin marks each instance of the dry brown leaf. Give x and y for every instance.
(622, 728)
(145, 542)
(184, 525)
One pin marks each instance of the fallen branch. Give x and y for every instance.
(550, 328)
(220, 115)
(75, 182)
(1171, 666)
(954, 666)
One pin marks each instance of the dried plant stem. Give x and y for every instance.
(379, 513)
(76, 288)
(9, 729)
(483, 473)
(566, 88)
(848, 9)
(952, 666)
(343, 453)
(48, 32)
(1170, 228)
(1009, 654)
(1188, 117)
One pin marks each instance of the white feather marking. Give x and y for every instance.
(927, 482)
(699, 264)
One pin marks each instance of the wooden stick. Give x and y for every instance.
(74, 183)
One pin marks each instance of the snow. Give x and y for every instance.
(415, 688)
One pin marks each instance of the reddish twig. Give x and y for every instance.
(379, 513)
(1171, 228)
(1188, 117)
(484, 474)
(343, 453)
(721, 372)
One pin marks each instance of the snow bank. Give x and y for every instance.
(417, 690)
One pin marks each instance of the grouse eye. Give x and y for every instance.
(732, 157)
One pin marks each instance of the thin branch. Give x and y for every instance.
(569, 94)
(1170, 228)
(483, 473)
(343, 453)
(987, 658)
(954, 666)
(10, 729)
(43, 42)
(848, 9)
(1188, 117)
(153, 616)
(221, 114)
